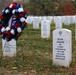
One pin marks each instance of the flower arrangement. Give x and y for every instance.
(12, 21)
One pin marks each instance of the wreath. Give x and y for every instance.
(12, 21)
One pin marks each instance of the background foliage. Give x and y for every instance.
(45, 7)
(50, 7)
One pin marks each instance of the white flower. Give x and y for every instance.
(20, 9)
(13, 11)
(7, 11)
(12, 31)
(19, 29)
(2, 10)
(3, 29)
(8, 28)
(22, 19)
(11, 5)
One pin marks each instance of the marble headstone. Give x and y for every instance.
(58, 22)
(9, 48)
(36, 23)
(45, 29)
(62, 47)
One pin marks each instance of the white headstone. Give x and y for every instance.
(45, 29)
(9, 48)
(35, 23)
(62, 47)
(75, 19)
(29, 19)
(58, 22)
(50, 18)
(72, 19)
(39, 19)
(63, 19)
(67, 20)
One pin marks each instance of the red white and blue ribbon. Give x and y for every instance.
(12, 21)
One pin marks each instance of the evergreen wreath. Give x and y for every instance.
(12, 21)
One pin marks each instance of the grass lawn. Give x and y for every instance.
(34, 55)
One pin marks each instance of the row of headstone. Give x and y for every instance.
(58, 20)
(67, 20)
(45, 26)
(38, 20)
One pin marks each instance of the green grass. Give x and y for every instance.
(34, 55)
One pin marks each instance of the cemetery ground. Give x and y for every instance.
(34, 55)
